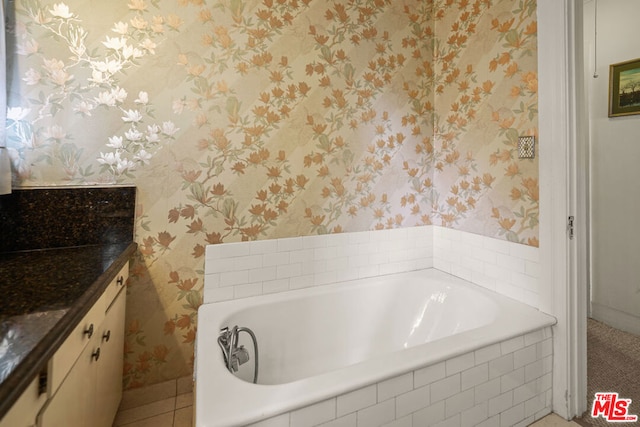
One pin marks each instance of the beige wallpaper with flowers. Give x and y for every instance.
(247, 119)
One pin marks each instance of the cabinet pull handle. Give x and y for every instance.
(42, 383)
(120, 281)
(96, 354)
(89, 331)
(106, 336)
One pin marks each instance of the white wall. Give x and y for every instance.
(615, 168)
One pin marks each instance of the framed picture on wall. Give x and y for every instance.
(624, 88)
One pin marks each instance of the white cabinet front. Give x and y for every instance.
(89, 394)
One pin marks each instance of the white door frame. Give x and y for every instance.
(563, 260)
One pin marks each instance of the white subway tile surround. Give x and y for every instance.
(508, 268)
(238, 270)
(506, 384)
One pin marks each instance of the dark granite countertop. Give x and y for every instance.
(45, 293)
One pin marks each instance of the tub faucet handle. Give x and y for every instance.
(224, 341)
(239, 355)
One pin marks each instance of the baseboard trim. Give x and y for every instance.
(615, 318)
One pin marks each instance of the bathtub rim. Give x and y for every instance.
(315, 389)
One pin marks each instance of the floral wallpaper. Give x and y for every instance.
(247, 119)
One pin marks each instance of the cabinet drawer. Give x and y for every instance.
(65, 357)
(116, 285)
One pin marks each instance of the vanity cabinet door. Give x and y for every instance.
(90, 393)
(109, 367)
(23, 412)
(72, 405)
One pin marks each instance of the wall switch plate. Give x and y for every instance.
(526, 147)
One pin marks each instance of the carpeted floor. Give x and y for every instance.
(613, 365)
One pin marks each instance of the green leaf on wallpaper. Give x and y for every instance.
(519, 110)
(236, 7)
(229, 208)
(145, 225)
(416, 183)
(215, 108)
(86, 172)
(193, 299)
(322, 229)
(42, 98)
(348, 156)
(512, 135)
(232, 106)
(55, 108)
(324, 143)
(349, 72)
(197, 191)
(512, 37)
(200, 85)
(512, 237)
(417, 106)
(326, 53)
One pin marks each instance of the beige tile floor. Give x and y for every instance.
(554, 420)
(170, 404)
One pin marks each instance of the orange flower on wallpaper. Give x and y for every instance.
(164, 239)
(160, 353)
(512, 69)
(189, 337)
(487, 86)
(531, 185)
(143, 363)
(507, 223)
(530, 80)
(502, 27)
(512, 170)
(213, 238)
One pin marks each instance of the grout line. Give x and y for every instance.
(140, 420)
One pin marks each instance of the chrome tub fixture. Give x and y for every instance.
(235, 355)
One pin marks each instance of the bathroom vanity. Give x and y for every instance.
(64, 264)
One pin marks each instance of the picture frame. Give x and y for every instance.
(624, 88)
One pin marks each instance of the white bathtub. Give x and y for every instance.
(320, 343)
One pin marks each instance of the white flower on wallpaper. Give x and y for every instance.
(61, 10)
(67, 72)
(137, 144)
